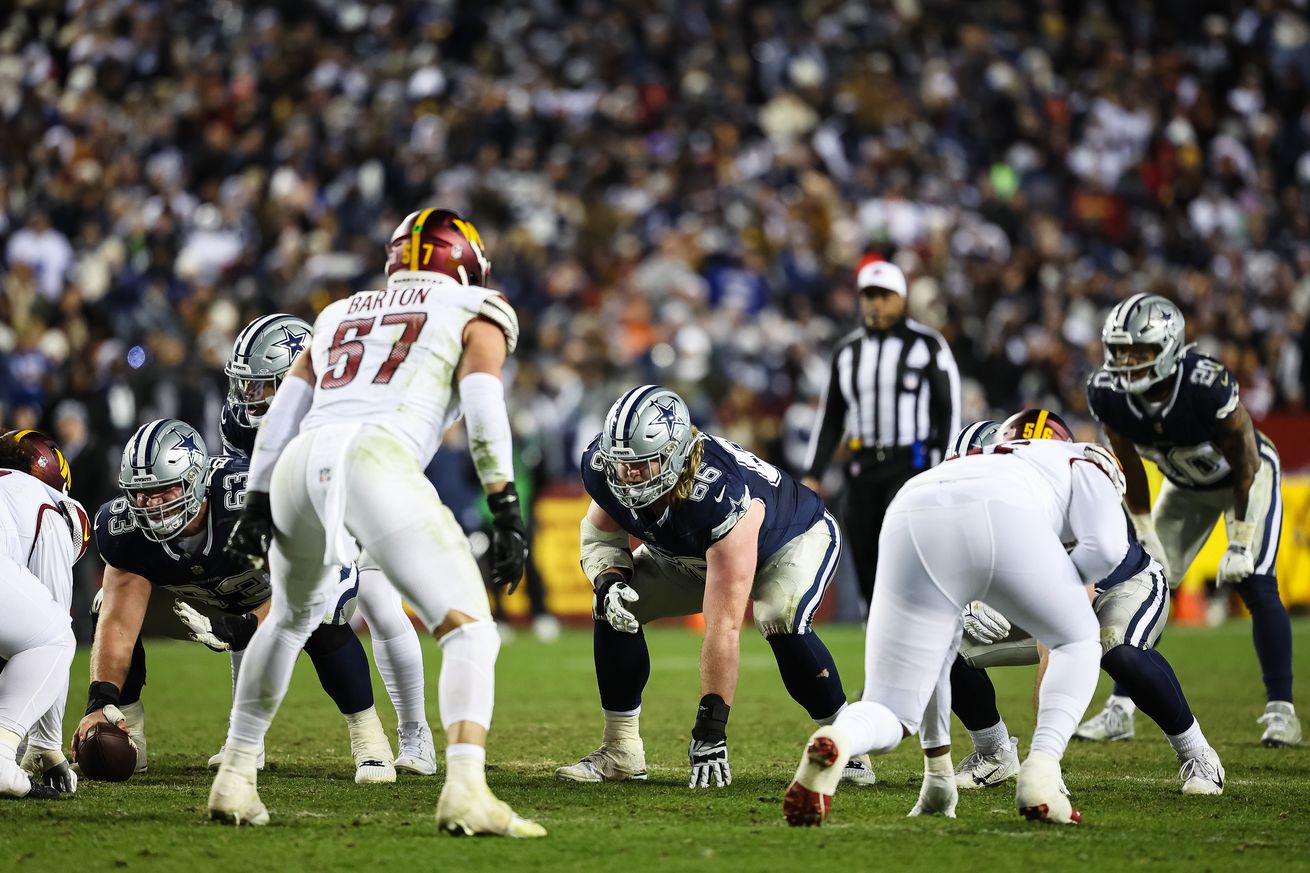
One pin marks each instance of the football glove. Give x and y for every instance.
(708, 751)
(224, 633)
(247, 545)
(985, 624)
(611, 595)
(51, 768)
(1238, 562)
(1109, 464)
(509, 538)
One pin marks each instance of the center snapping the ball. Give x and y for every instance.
(107, 754)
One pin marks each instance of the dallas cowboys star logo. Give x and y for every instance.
(738, 506)
(668, 416)
(188, 444)
(292, 340)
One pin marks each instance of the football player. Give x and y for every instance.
(338, 466)
(168, 531)
(1158, 398)
(719, 528)
(988, 523)
(45, 532)
(261, 356)
(1131, 605)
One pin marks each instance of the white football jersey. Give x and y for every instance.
(43, 530)
(388, 357)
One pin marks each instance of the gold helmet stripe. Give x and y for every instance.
(414, 237)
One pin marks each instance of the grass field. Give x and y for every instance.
(547, 714)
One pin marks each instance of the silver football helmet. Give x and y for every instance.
(261, 356)
(972, 436)
(164, 456)
(1142, 320)
(645, 444)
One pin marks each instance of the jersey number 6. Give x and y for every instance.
(347, 350)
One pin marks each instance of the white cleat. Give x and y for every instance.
(1202, 774)
(937, 796)
(1282, 727)
(808, 798)
(234, 798)
(859, 771)
(370, 748)
(472, 810)
(373, 771)
(1114, 722)
(217, 758)
(612, 762)
(418, 754)
(1039, 792)
(986, 771)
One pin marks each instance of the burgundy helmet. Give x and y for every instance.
(1034, 424)
(439, 241)
(30, 451)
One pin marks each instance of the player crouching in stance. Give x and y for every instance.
(168, 531)
(43, 532)
(984, 525)
(338, 466)
(1131, 605)
(720, 528)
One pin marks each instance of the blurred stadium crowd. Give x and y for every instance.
(670, 190)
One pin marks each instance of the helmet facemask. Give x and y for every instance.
(250, 397)
(1136, 326)
(647, 431)
(162, 456)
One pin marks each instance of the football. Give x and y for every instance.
(107, 754)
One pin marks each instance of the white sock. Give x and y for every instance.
(237, 657)
(622, 728)
(9, 744)
(466, 689)
(1189, 743)
(989, 741)
(466, 762)
(870, 727)
(400, 663)
(1067, 688)
(1124, 703)
(263, 683)
(832, 718)
(367, 738)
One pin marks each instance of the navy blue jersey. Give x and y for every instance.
(728, 479)
(1179, 436)
(238, 438)
(1133, 563)
(208, 576)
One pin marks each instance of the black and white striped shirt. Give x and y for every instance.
(889, 390)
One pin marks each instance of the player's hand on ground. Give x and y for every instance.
(509, 538)
(615, 593)
(985, 624)
(51, 768)
(709, 764)
(98, 716)
(201, 629)
(252, 534)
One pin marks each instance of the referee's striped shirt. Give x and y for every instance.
(889, 391)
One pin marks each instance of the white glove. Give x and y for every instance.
(201, 628)
(50, 767)
(985, 624)
(1109, 464)
(709, 764)
(1238, 562)
(938, 795)
(1150, 541)
(612, 607)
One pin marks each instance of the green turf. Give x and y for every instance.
(546, 715)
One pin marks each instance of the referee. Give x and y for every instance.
(893, 396)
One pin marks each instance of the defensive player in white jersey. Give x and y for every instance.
(338, 466)
(987, 526)
(42, 534)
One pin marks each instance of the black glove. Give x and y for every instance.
(509, 538)
(708, 751)
(247, 545)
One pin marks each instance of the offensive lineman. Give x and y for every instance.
(1157, 398)
(993, 525)
(168, 531)
(719, 528)
(261, 356)
(338, 466)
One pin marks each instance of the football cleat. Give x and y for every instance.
(859, 771)
(466, 810)
(15, 782)
(985, 771)
(1040, 794)
(808, 799)
(1114, 722)
(370, 749)
(234, 798)
(937, 796)
(612, 762)
(418, 754)
(217, 758)
(1282, 727)
(1202, 774)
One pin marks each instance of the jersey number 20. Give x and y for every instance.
(347, 350)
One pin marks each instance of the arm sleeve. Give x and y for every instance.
(482, 397)
(278, 428)
(831, 425)
(51, 559)
(1097, 522)
(943, 400)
